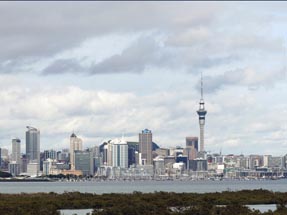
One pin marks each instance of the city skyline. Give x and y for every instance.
(106, 68)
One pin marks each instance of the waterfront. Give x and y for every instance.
(101, 187)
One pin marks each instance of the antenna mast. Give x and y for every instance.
(201, 86)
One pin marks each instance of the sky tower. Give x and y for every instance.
(201, 114)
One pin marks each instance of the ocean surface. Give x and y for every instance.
(143, 186)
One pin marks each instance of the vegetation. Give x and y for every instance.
(5, 174)
(224, 203)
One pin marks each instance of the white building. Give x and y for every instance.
(50, 167)
(120, 153)
(32, 168)
(75, 144)
(16, 151)
(14, 168)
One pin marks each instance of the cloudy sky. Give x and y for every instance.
(103, 69)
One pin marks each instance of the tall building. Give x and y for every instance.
(75, 144)
(109, 153)
(33, 145)
(4, 154)
(120, 153)
(84, 162)
(201, 114)
(16, 151)
(133, 148)
(14, 168)
(145, 147)
(191, 147)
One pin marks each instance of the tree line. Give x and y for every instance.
(159, 203)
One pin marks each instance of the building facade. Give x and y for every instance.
(52, 154)
(84, 162)
(75, 144)
(16, 151)
(191, 147)
(120, 153)
(145, 147)
(14, 168)
(33, 145)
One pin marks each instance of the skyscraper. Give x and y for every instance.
(191, 147)
(84, 162)
(16, 150)
(120, 153)
(75, 144)
(33, 145)
(145, 147)
(201, 114)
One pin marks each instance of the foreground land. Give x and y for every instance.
(224, 203)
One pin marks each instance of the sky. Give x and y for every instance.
(107, 69)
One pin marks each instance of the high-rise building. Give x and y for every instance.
(201, 114)
(4, 154)
(52, 154)
(16, 150)
(14, 168)
(33, 145)
(191, 147)
(145, 147)
(120, 153)
(133, 148)
(84, 162)
(75, 144)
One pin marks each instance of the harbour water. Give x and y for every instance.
(101, 187)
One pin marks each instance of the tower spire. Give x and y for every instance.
(201, 86)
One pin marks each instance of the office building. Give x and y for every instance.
(52, 154)
(4, 154)
(191, 148)
(33, 145)
(63, 156)
(159, 168)
(198, 164)
(16, 150)
(145, 147)
(75, 144)
(33, 169)
(50, 167)
(84, 162)
(133, 148)
(183, 159)
(120, 153)
(106, 153)
(14, 168)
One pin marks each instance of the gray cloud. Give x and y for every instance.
(63, 66)
(245, 77)
(44, 28)
(136, 58)
(140, 55)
